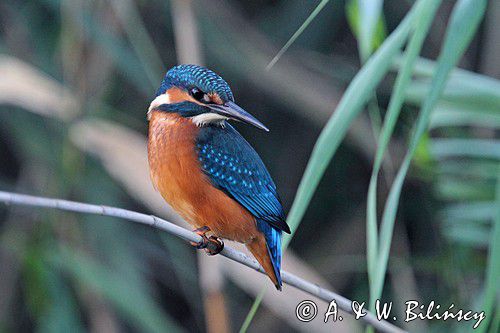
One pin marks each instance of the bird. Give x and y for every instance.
(207, 172)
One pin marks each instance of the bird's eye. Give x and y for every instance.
(199, 95)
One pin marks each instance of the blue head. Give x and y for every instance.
(200, 94)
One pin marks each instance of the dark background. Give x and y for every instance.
(76, 80)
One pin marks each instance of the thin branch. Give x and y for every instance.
(156, 222)
(187, 41)
(211, 279)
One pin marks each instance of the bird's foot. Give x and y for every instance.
(212, 245)
(215, 246)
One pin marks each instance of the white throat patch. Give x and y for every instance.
(209, 118)
(159, 100)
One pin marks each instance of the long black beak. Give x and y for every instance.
(233, 111)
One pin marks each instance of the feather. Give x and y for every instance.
(233, 166)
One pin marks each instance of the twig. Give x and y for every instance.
(211, 279)
(187, 41)
(156, 222)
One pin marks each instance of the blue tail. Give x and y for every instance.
(273, 242)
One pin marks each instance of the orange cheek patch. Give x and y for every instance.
(176, 95)
(215, 98)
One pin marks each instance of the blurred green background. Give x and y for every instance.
(76, 79)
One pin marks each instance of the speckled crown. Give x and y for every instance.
(190, 76)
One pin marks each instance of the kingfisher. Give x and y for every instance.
(208, 172)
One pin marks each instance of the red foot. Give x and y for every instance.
(212, 245)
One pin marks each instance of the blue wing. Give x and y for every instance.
(234, 167)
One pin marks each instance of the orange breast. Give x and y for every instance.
(177, 175)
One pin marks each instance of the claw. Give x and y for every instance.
(202, 244)
(202, 231)
(218, 246)
(212, 245)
